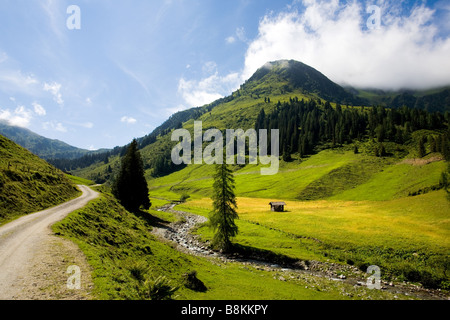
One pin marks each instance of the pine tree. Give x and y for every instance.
(445, 146)
(444, 180)
(433, 144)
(376, 151)
(130, 187)
(224, 208)
(382, 151)
(287, 155)
(421, 149)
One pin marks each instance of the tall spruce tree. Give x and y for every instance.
(224, 208)
(130, 187)
(421, 147)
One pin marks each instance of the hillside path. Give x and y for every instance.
(30, 252)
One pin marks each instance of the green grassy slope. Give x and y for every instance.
(329, 174)
(124, 254)
(28, 183)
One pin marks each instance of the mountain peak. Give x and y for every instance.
(282, 64)
(294, 76)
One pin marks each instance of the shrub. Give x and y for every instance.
(157, 289)
(184, 197)
(192, 282)
(138, 270)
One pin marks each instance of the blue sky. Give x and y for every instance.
(134, 63)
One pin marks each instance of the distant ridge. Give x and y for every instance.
(435, 100)
(43, 147)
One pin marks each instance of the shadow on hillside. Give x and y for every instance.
(150, 219)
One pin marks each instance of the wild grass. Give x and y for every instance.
(125, 256)
(407, 237)
(78, 180)
(29, 184)
(329, 174)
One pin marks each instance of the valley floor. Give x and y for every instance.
(180, 233)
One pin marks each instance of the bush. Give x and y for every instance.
(184, 197)
(138, 270)
(192, 282)
(157, 289)
(429, 281)
(424, 277)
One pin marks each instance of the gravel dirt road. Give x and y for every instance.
(32, 258)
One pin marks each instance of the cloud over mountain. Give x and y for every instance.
(405, 51)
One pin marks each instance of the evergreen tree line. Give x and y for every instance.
(439, 101)
(303, 125)
(163, 164)
(87, 160)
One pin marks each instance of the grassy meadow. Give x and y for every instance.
(341, 207)
(330, 174)
(398, 235)
(126, 258)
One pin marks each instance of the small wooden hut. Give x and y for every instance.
(277, 206)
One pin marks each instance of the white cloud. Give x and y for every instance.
(198, 93)
(444, 15)
(57, 126)
(239, 35)
(20, 117)
(56, 16)
(54, 88)
(333, 38)
(128, 120)
(15, 81)
(87, 125)
(3, 57)
(209, 67)
(38, 109)
(230, 40)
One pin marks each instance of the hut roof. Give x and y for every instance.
(277, 203)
